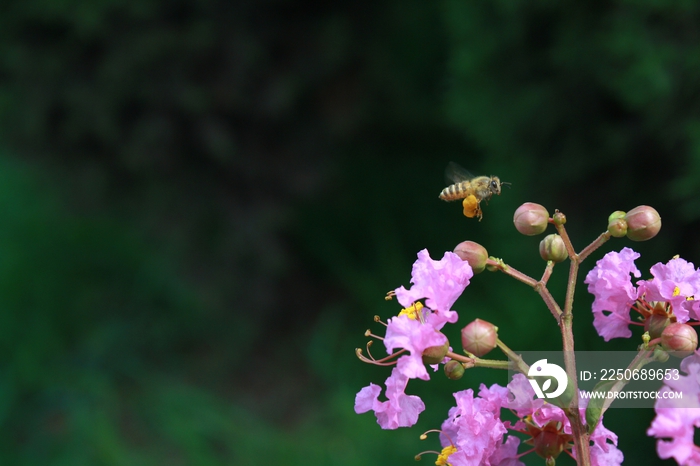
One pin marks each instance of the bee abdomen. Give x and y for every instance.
(454, 192)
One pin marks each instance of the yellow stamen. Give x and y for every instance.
(446, 452)
(413, 311)
(676, 291)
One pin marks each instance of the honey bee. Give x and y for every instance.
(473, 189)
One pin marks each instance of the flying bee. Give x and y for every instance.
(473, 189)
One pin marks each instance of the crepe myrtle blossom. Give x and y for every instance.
(439, 282)
(609, 281)
(675, 282)
(403, 332)
(413, 336)
(478, 436)
(400, 410)
(676, 418)
(669, 294)
(545, 417)
(474, 428)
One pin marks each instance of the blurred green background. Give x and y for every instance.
(203, 203)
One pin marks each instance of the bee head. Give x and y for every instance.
(495, 185)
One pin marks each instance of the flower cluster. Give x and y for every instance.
(413, 333)
(488, 427)
(477, 433)
(669, 294)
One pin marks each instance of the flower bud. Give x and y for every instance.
(660, 355)
(435, 354)
(548, 443)
(454, 370)
(479, 337)
(679, 339)
(558, 218)
(493, 267)
(531, 219)
(474, 253)
(552, 249)
(643, 223)
(656, 323)
(617, 225)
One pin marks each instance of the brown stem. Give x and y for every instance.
(516, 359)
(598, 242)
(578, 430)
(539, 286)
(474, 361)
(508, 270)
(547, 273)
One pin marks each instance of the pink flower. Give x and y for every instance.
(610, 282)
(676, 418)
(441, 282)
(673, 282)
(507, 453)
(400, 410)
(611, 456)
(475, 428)
(414, 336)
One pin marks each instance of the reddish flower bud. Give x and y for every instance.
(548, 443)
(435, 354)
(643, 223)
(617, 225)
(474, 253)
(679, 339)
(531, 219)
(454, 370)
(552, 249)
(479, 337)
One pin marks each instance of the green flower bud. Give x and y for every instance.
(491, 267)
(435, 354)
(660, 355)
(558, 218)
(617, 225)
(552, 249)
(454, 370)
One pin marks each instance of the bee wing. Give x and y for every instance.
(455, 173)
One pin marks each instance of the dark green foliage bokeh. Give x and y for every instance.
(203, 204)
